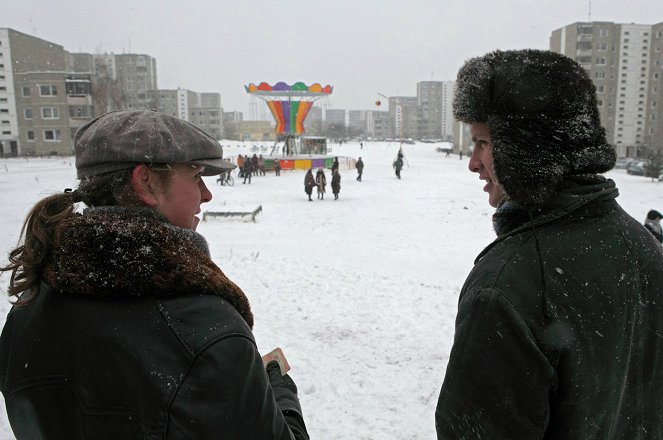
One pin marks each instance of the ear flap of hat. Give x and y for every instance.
(526, 164)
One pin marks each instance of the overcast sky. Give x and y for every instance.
(362, 48)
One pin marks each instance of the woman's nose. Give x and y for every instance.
(205, 194)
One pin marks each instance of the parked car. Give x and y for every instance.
(637, 168)
(623, 163)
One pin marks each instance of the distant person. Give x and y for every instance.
(361, 145)
(398, 164)
(336, 183)
(321, 182)
(460, 154)
(247, 169)
(360, 169)
(334, 166)
(277, 167)
(255, 166)
(653, 224)
(240, 165)
(261, 165)
(558, 329)
(309, 183)
(122, 326)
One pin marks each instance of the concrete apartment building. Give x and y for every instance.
(404, 117)
(42, 101)
(434, 99)
(377, 124)
(121, 80)
(313, 121)
(625, 64)
(201, 109)
(335, 117)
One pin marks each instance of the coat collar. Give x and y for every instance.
(134, 252)
(577, 196)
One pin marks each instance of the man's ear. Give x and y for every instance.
(143, 184)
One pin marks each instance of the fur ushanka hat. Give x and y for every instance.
(540, 108)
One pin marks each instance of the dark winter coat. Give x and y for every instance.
(309, 183)
(360, 166)
(558, 328)
(336, 183)
(321, 181)
(654, 226)
(137, 334)
(247, 167)
(334, 166)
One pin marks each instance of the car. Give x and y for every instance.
(637, 168)
(623, 163)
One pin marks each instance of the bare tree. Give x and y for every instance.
(107, 92)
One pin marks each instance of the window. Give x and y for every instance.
(31, 135)
(600, 75)
(602, 61)
(6, 132)
(27, 113)
(52, 135)
(79, 111)
(50, 113)
(3, 89)
(48, 90)
(78, 88)
(25, 91)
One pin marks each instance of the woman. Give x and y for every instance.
(321, 181)
(309, 183)
(123, 327)
(336, 184)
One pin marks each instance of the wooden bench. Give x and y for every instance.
(232, 213)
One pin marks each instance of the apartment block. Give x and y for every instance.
(335, 116)
(654, 114)
(201, 109)
(624, 62)
(313, 121)
(42, 102)
(377, 124)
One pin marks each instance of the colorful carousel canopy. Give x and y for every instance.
(289, 104)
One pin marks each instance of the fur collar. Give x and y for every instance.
(134, 252)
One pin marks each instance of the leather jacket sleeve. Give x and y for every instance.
(227, 394)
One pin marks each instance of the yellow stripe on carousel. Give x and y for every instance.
(302, 164)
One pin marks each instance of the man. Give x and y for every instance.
(558, 327)
(653, 224)
(360, 169)
(398, 164)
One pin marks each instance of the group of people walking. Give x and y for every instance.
(249, 166)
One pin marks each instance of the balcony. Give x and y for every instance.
(585, 37)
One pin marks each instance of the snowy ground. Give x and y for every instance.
(360, 292)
